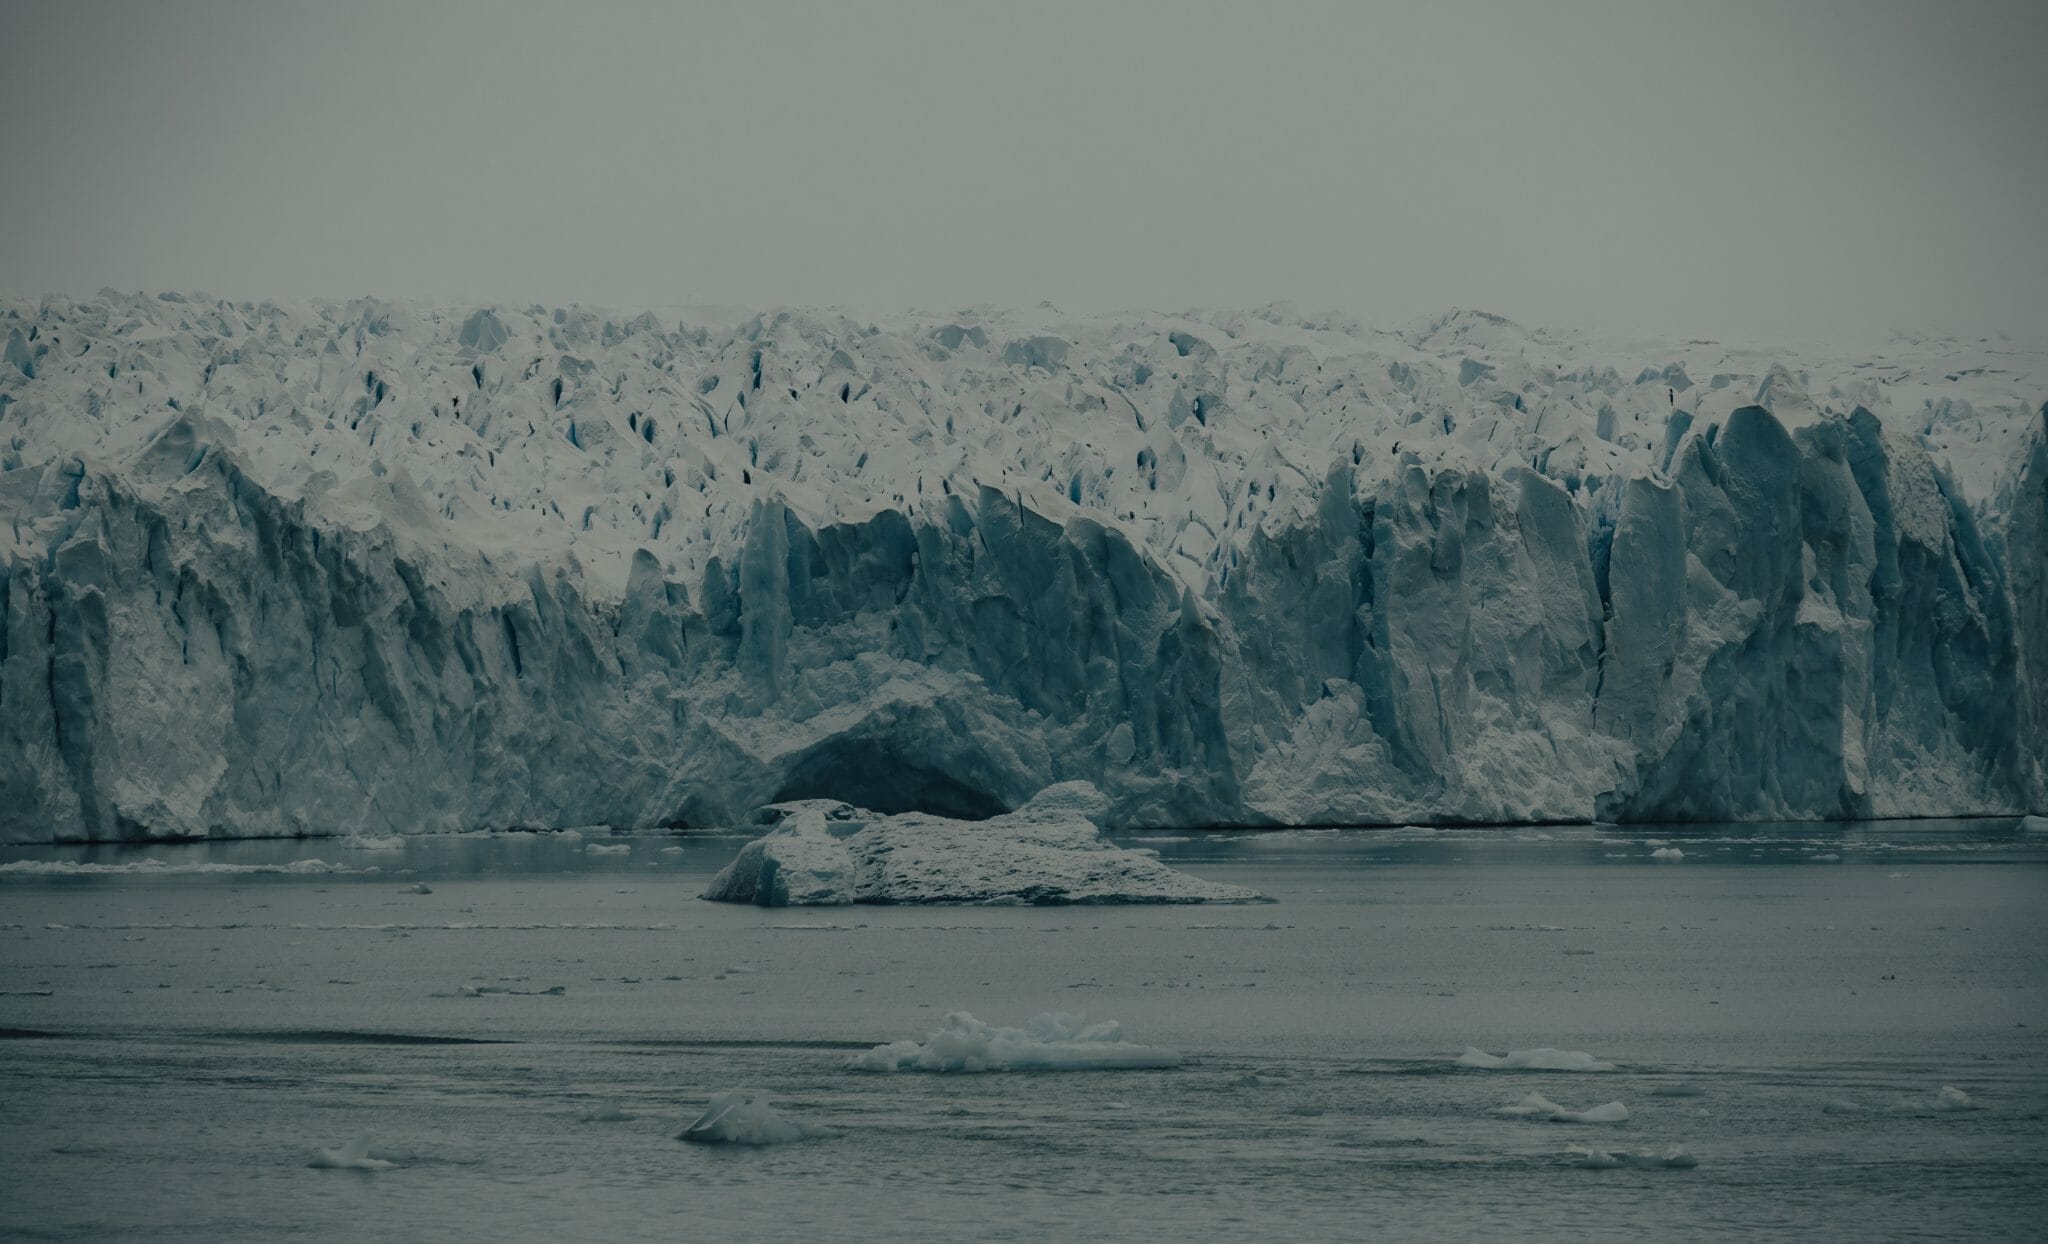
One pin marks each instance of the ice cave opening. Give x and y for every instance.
(876, 775)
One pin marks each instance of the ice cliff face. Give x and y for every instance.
(367, 567)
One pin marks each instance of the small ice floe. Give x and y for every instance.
(1545, 1059)
(364, 842)
(671, 850)
(1674, 1158)
(1950, 1100)
(1826, 858)
(737, 1119)
(1670, 855)
(1842, 1105)
(609, 1113)
(358, 1155)
(2034, 824)
(419, 887)
(478, 991)
(600, 848)
(1047, 1042)
(1537, 1106)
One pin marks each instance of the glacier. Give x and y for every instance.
(372, 567)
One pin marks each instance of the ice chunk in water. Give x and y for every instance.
(600, 848)
(389, 842)
(1047, 1042)
(1674, 1158)
(1670, 855)
(356, 1155)
(1537, 1106)
(1545, 1059)
(737, 1119)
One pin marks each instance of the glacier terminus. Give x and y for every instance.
(372, 567)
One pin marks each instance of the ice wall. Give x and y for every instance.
(371, 567)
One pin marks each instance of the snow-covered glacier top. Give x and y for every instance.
(377, 567)
(582, 434)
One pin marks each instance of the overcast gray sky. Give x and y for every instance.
(1816, 166)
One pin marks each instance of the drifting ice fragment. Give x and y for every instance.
(1670, 855)
(736, 1119)
(1047, 1042)
(1545, 1059)
(1537, 1106)
(1675, 1158)
(356, 1155)
(599, 848)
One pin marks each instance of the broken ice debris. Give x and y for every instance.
(1047, 1042)
(1049, 851)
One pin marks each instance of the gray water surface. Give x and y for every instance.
(180, 1043)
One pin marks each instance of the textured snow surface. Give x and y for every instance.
(376, 567)
(1048, 851)
(1048, 1042)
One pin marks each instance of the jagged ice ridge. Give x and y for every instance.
(375, 567)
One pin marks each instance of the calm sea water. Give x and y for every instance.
(181, 1042)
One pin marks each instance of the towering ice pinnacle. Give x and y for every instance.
(370, 567)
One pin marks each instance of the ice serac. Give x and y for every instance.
(370, 568)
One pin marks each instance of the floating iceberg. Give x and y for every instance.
(1537, 1106)
(603, 848)
(1047, 1042)
(1545, 1059)
(1049, 851)
(1674, 1158)
(1670, 855)
(736, 1118)
(1950, 1100)
(361, 842)
(357, 1155)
